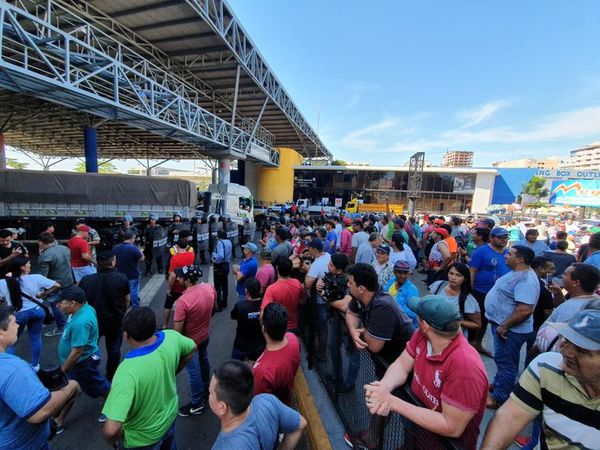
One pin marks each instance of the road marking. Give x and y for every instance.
(151, 288)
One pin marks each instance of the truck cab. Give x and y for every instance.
(233, 200)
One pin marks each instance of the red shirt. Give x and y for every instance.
(274, 371)
(194, 308)
(456, 377)
(288, 293)
(180, 260)
(78, 246)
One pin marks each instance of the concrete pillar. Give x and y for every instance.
(91, 150)
(224, 171)
(411, 206)
(2, 152)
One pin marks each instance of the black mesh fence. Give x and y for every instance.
(344, 371)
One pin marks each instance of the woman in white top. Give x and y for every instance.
(458, 290)
(401, 251)
(15, 289)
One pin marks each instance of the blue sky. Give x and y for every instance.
(384, 79)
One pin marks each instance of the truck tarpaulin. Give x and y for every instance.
(25, 186)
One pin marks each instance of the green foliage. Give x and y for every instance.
(536, 187)
(14, 164)
(339, 162)
(103, 167)
(536, 205)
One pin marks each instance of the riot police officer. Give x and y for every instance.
(126, 226)
(200, 234)
(155, 241)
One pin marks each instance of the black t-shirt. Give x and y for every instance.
(6, 251)
(385, 320)
(248, 335)
(106, 291)
(545, 301)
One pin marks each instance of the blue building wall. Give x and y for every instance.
(509, 183)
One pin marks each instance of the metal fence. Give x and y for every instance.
(344, 371)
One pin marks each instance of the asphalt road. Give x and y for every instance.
(82, 430)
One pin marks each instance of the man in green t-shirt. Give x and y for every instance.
(142, 405)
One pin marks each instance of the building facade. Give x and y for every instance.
(587, 157)
(444, 190)
(457, 158)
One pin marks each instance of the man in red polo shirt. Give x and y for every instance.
(81, 255)
(275, 370)
(287, 291)
(448, 376)
(194, 310)
(181, 255)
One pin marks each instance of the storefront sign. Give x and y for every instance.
(464, 184)
(580, 174)
(576, 193)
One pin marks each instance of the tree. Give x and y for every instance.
(536, 187)
(103, 167)
(339, 162)
(15, 164)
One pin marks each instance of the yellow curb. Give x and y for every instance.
(319, 440)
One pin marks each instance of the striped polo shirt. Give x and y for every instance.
(570, 418)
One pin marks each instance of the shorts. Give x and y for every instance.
(87, 374)
(171, 299)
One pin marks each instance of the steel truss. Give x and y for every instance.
(220, 18)
(78, 65)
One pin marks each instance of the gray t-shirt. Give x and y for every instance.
(267, 418)
(55, 263)
(283, 250)
(510, 290)
(365, 253)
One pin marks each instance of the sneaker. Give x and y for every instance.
(361, 441)
(36, 368)
(55, 332)
(59, 429)
(102, 418)
(522, 440)
(191, 410)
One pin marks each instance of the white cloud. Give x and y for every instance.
(583, 123)
(473, 117)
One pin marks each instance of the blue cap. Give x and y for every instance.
(153, 216)
(251, 246)
(583, 329)
(127, 218)
(499, 231)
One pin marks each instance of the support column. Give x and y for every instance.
(2, 152)
(91, 150)
(224, 171)
(411, 206)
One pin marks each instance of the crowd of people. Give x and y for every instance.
(529, 285)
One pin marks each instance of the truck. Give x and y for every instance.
(30, 198)
(305, 205)
(233, 200)
(357, 206)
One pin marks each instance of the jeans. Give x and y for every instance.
(167, 442)
(335, 339)
(81, 272)
(134, 292)
(58, 315)
(506, 356)
(252, 355)
(32, 318)
(199, 372)
(536, 429)
(113, 337)
(221, 281)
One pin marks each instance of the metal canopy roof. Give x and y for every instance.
(201, 44)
